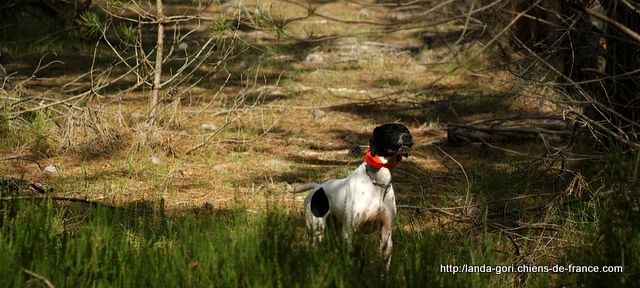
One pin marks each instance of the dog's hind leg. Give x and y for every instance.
(316, 211)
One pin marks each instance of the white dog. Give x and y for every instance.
(365, 198)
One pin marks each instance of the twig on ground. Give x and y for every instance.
(24, 157)
(91, 202)
(466, 177)
(38, 276)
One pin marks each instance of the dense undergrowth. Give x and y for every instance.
(78, 245)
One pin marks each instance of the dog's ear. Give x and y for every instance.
(377, 141)
(372, 146)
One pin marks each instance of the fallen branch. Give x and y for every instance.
(56, 198)
(516, 128)
(21, 157)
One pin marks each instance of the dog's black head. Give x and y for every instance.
(391, 139)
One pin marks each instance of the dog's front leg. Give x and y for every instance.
(386, 243)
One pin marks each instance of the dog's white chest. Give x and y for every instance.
(370, 202)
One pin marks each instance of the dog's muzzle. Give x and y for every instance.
(405, 142)
(404, 151)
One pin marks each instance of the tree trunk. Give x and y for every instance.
(157, 77)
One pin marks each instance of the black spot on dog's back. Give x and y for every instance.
(319, 203)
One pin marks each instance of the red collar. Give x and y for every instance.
(376, 162)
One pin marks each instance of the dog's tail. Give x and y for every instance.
(303, 188)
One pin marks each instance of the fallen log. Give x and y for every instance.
(511, 129)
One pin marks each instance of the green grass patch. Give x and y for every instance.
(138, 246)
(31, 130)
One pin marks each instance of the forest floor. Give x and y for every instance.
(312, 103)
